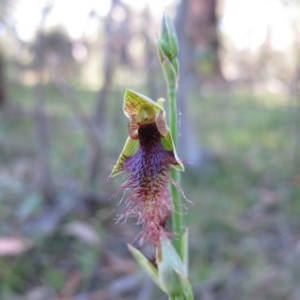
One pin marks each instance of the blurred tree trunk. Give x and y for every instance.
(151, 57)
(4, 21)
(45, 175)
(196, 26)
(2, 82)
(203, 29)
(95, 149)
(295, 93)
(44, 178)
(116, 35)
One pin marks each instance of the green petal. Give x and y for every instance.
(168, 144)
(130, 148)
(133, 102)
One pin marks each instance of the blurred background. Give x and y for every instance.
(64, 66)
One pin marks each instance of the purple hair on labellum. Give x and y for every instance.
(146, 159)
(147, 180)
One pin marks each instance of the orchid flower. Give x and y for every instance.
(146, 159)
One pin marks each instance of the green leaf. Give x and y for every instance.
(172, 273)
(171, 270)
(130, 148)
(145, 264)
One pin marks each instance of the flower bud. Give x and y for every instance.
(167, 39)
(170, 68)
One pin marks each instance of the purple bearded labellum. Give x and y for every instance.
(146, 159)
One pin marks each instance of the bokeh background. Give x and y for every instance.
(64, 66)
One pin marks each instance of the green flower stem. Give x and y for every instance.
(177, 298)
(177, 217)
(173, 122)
(168, 53)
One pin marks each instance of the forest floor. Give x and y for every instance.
(243, 217)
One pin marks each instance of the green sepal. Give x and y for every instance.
(133, 102)
(146, 265)
(130, 148)
(168, 144)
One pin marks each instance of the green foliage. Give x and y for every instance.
(247, 197)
